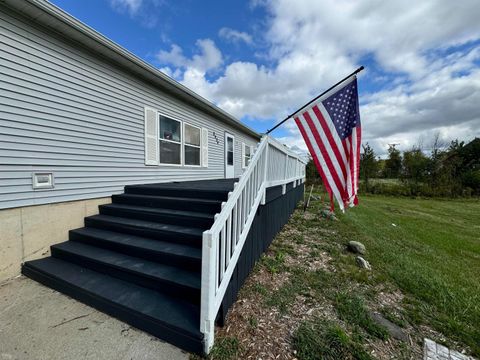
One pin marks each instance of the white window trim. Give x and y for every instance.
(171, 141)
(195, 146)
(244, 154)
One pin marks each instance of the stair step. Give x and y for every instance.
(166, 216)
(161, 277)
(166, 232)
(159, 314)
(155, 250)
(169, 202)
(182, 192)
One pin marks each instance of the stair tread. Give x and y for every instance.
(143, 243)
(217, 185)
(155, 306)
(151, 225)
(150, 269)
(160, 211)
(173, 198)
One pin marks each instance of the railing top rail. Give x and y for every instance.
(277, 144)
(234, 195)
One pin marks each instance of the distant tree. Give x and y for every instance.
(470, 165)
(368, 164)
(311, 171)
(381, 167)
(461, 168)
(393, 164)
(436, 169)
(415, 167)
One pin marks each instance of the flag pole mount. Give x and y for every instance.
(311, 101)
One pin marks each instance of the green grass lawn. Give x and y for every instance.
(425, 277)
(432, 255)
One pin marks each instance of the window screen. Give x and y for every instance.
(192, 145)
(170, 141)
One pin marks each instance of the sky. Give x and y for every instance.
(260, 60)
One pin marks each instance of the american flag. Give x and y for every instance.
(331, 128)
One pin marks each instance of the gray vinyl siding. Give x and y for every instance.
(64, 110)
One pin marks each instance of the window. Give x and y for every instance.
(229, 150)
(192, 145)
(173, 142)
(247, 155)
(170, 141)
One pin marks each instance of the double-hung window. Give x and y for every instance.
(246, 154)
(173, 142)
(192, 145)
(170, 141)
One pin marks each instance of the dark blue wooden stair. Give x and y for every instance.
(175, 233)
(169, 202)
(165, 216)
(140, 258)
(149, 249)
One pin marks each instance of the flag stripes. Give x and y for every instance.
(332, 132)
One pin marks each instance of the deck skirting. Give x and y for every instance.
(269, 220)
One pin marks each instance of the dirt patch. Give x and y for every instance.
(394, 298)
(262, 332)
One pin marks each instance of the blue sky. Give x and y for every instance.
(261, 59)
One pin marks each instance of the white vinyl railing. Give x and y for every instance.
(272, 164)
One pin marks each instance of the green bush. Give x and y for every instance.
(471, 181)
(390, 187)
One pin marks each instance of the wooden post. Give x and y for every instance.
(308, 200)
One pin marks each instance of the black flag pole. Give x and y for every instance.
(311, 101)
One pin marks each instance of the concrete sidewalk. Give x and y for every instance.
(38, 323)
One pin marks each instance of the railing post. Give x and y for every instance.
(265, 173)
(295, 170)
(285, 173)
(208, 289)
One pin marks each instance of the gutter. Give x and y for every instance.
(52, 17)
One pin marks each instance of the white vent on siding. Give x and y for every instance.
(204, 147)
(42, 181)
(151, 137)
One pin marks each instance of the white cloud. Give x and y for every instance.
(144, 11)
(208, 58)
(234, 36)
(434, 86)
(130, 6)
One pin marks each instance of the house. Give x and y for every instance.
(166, 200)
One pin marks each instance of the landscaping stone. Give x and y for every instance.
(394, 330)
(361, 262)
(434, 351)
(330, 215)
(356, 247)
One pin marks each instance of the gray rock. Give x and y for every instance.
(394, 330)
(327, 214)
(361, 262)
(356, 247)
